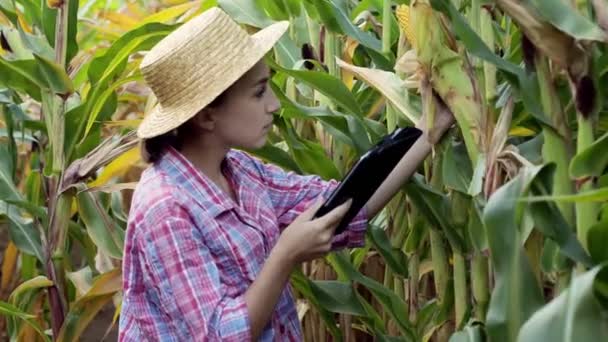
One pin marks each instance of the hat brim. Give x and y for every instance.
(162, 120)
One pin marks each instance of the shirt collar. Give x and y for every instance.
(202, 189)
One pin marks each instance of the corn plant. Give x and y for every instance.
(491, 238)
(69, 93)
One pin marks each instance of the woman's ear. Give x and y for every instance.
(205, 119)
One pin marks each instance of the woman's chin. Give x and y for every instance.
(254, 145)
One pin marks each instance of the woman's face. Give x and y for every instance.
(244, 116)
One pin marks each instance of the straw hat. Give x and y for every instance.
(196, 63)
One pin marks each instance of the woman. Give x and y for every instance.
(214, 233)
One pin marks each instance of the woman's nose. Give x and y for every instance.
(273, 104)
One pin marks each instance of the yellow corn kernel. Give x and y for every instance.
(403, 17)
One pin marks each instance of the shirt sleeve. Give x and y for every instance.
(291, 194)
(187, 280)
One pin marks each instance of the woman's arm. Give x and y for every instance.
(410, 162)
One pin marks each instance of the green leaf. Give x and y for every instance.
(527, 84)
(337, 297)
(337, 20)
(101, 228)
(31, 284)
(434, 206)
(55, 76)
(516, 293)
(597, 195)
(388, 84)
(22, 76)
(322, 11)
(471, 40)
(575, 315)
(392, 303)
(310, 156)
(303, 285)
(479, 173)
(597, 240)
(103, 98)
(549, 220)
(275, 9)
(348, 129)
(102, 72)
(456, 168)
(245, 12)
(22, 231)
(72, 48)
(561, 14)
(470, 333)
(275, 155)
(84, 310)
(12, 311)
(112, 62)
(592, 161)
(326, 84)
(393, 257)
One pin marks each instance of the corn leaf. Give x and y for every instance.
(169, 13)
(85, 308)
(549, 220)
(348, 129)
(393, 257)
(11, 311)
(100, 226)
(337, 296)
(388, 84)
(597, 240)
(103, 98)
(393, 304)
(516, 293)
(245, 12)
(22, 231)
(561, 14)
(326, 84)
(56, 77)
(434, 205)
(277, 156)
(597, 195)
(22, 76)
(592, 161)
(470, 333)
(337, 20)
(31, 284)
(577, 314)
(456, 168)
(303, 285)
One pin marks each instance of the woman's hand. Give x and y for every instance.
(307, 239)
(304, 239)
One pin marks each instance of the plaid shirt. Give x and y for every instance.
(191, 252)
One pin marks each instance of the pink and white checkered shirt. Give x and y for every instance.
(191, 252)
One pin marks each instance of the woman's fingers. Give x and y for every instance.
(331, 219)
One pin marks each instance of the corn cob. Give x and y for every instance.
(449, 73)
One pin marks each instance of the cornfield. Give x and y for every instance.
(501, 235)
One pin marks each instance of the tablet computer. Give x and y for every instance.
(368, 173)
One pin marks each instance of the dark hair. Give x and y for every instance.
(153, 148)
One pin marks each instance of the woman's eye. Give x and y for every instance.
(260, 92)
